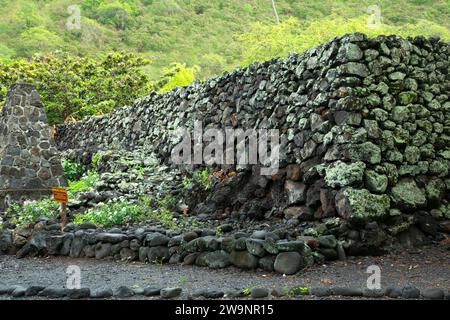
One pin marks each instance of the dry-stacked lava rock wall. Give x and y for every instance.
(365, 125)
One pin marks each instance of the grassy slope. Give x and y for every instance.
(189, 31)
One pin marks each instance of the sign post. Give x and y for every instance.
(60, 195)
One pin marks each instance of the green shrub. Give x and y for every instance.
(202, 177)
(95, 159)
(32, 210)
(72, 170)
(85, 183)
(112, 213)
(122, 211)
(298, 291)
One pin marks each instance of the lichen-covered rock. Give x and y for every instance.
(366, 152)
(375, 182)
(407, 196)
(341, 174)
(359, 205)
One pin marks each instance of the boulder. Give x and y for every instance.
(243, 260)
(288, 263)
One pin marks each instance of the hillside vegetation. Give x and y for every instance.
(182, 40)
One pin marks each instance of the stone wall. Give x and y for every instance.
(365, 124)
(29, 161)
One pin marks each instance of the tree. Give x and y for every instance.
(267, 41)
(275, 11)
(177, 74)
(73, 87)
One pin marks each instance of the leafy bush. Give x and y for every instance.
(73, 87)
(95, 158)
(177, 74)
(203, 177)
(85, 183)
(72, 170)
(32, 210)
(112, 213)
(122, 211)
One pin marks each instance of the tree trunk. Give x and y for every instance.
(275, 11)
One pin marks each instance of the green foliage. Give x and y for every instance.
(191, 31)
(86, 182)
(95, 159)
(30, 211)
(72, 170)
(177, 75)
(298, 291)
(203, 178)
(38, 39)
(214, 35)
(122, 211)
(112, 213)
(265, 41)
(246, 291)
(75, 87)
(187, 181)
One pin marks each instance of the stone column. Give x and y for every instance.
(30, 164)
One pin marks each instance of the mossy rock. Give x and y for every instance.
(407, 196)
(375, 182)
(341, 174)
(435, 189)
(361, 206)
(367, 152)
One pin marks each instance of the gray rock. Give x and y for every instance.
(126, 254)
(102, 250)
(190, 258)
(410, 292)
(19, 292)
(347, 292)
(213, 294)
(53, 293)
(158, 254)
(433, 294)
(143, 253)
(152, 291)
(393, 292)
(328, 241)
(320, 292)
(102, 293)
(243, 259)
(217, 259)
(111, 237)
(79, 293)
(256, 247)
(288, 263)
(87, 225)
(258, 293)
(156, 239)
(285, 246)
(168, 293)
(138, 291)
(124, 292)
(373, 293)
(267, 263)
(33, 290)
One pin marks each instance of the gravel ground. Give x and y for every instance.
(425, 268)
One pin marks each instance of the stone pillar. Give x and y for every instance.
(30, 164)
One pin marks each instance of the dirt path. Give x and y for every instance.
(427, 268)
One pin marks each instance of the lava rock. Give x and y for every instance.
(288, 263)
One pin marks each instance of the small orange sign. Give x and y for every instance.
(60, 195)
